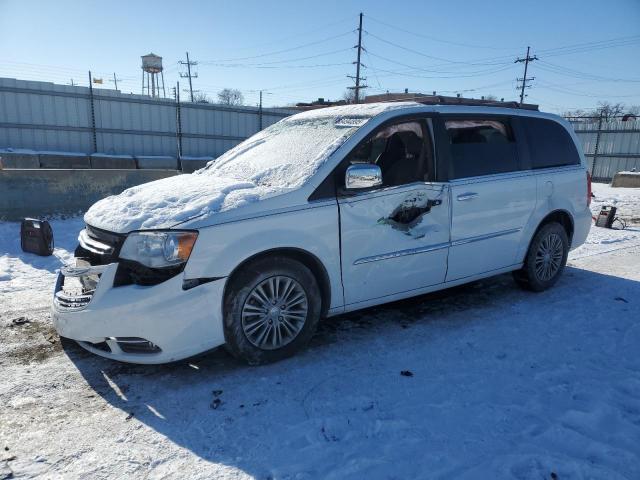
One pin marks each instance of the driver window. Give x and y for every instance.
(399, 150)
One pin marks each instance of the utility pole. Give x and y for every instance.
(260, 113)
(525, 79)
(358, 63)
(188, 75)
(115, 80)
(176, 96)
(73, 83)
(93, 115)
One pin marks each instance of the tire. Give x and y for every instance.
(545, 260)
(258, 334)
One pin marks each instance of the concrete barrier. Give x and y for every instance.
(191, 164)
(36, 193)
(626, 179)
(102, 161)
(63, 160)
(156, 162)
(19, 160)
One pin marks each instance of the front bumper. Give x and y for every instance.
(181, 323)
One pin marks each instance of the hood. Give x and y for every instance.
(170, 201)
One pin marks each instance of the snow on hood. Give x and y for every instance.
(276, 160)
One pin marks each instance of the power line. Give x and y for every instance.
(436, 39)
(569, 72)
(277, 62)
(590, 46)
(486, 61)
(306, 32)
(560, 89)
(430, 70)
(525, 79)
(431, 77)
(268, 54)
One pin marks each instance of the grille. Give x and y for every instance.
(136, 345)
(102, 346)
(99, 247)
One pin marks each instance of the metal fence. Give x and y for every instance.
(46, 116)
(610, 145)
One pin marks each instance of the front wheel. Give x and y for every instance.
(272, 309)
(545, 260)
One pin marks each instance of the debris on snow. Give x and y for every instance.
(19, 321)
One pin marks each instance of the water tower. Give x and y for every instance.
(151, 67)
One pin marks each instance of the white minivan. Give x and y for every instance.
(325, 212)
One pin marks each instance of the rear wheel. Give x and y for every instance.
(272, 309)
(545, 260)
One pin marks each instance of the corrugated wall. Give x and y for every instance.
(45, 116)
(618, 145)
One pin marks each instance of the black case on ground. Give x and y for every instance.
(606, 217)
(36, 236)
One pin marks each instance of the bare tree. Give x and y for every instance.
(606, 109)
(634, 110)
(577, 113)
(610, 110)
(349, 95)
(201, 97)
(230, 96)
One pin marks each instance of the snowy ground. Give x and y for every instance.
(504, 384)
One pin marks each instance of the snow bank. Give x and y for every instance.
(276, 160)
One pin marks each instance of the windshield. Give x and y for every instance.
(287, 153)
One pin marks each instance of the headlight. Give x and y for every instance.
(158, 249)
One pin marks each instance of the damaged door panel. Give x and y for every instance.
(394, 240)
(407, 217)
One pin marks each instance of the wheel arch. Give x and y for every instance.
(305, 257)
(561, 216)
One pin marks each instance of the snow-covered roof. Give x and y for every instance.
(356, 110)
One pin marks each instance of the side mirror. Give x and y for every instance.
(362, 175)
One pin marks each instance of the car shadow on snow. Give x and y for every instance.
(281, 419)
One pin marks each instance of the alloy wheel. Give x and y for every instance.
(274, 312)
(549, 257)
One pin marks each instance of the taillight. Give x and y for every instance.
(588, 188)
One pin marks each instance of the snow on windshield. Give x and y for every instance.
(287, 153)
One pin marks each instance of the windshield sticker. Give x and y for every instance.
(349, 122)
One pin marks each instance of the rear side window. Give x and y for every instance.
(550, 145)
(481, 147)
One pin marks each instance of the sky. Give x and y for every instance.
(588, 51)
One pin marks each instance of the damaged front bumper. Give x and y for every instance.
(133, 323)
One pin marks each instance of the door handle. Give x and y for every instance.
(467, 196)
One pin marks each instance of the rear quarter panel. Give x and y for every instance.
(564, 189)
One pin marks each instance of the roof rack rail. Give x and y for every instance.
(440, 100)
